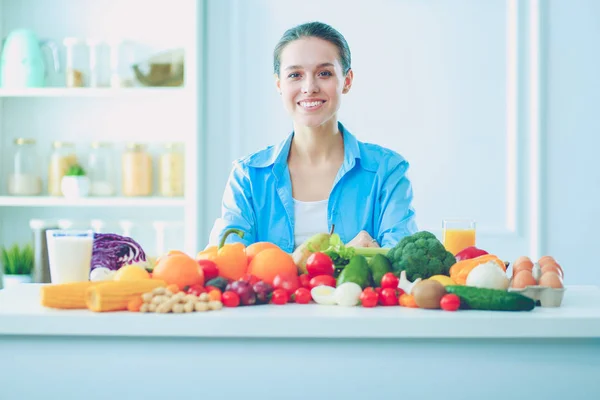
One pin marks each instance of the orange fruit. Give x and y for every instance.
(257, 247)
(269, 263)
(131, 273)
(179, 269)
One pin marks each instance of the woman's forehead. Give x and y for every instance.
(309, 53)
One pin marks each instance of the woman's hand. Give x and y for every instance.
(363, 239)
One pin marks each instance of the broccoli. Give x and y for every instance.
(421, 255)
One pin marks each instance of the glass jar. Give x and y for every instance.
(171, 170)
(101, 169)
(136, 171)
(122, 57)
(62, 158)
(25, 178)
(76, 63)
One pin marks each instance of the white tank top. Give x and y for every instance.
(310, 217)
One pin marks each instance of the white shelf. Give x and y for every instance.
(90, 92)
(45, 201)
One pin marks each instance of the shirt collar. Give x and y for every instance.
(278, 155)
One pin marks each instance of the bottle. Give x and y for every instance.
(101, 169)
(171, 171)
(76, 69)
(136, 171)
(62, 158)
(25, 178)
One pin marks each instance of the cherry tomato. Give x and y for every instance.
(209, 268)
(325, 280)
(280, 296)
(251, 279)
(302, 296)
(230, 299)
(304, 281)
(388, 297)
(319, 264)
(289, 283)
(380, 299)
(450, 302)
(369, 297)
(390, 281)
(211, 288)
(196, 290)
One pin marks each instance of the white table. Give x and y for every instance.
(300, 352)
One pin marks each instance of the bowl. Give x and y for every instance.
(162, 70)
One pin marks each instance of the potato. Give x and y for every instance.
(428, 294)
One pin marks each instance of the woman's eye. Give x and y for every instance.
(325, 73)
(294, 75)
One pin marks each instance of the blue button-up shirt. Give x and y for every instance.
(371, 192)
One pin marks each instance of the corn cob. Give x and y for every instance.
(114, 296)
(65, 295)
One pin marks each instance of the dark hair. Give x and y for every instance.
(313, 29)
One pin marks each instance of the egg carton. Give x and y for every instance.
(543, 295)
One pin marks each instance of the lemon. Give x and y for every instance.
(131, 273)
(443, 279)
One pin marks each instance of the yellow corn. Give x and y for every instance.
(115, 295)
(65, 295)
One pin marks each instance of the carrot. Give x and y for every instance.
(214, 295)
(135, 304)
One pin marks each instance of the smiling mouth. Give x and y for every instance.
(311, 105)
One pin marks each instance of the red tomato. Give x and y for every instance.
(196, 290)
(369, 297)
(209, 268)
(251, 279)
(302, 295)
(319, 264)
(280, 296)
(389, 280)
(450, 302)
(289, 283)
(388, 297)
(325, 280)
(304, 281)
(210, 288)
(380, 299)
(230, 299)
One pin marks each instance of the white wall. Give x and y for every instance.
(457, 88)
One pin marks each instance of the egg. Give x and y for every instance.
(522, 265)
(554, 267)
(521, 259)
(545, 260)
(551, 279)
(523, 279)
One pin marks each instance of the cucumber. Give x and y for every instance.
(490, 299)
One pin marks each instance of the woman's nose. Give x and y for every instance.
(310, 86)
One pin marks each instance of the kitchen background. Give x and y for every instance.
(493, 102)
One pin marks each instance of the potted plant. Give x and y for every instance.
(75, 183)
(17, 264)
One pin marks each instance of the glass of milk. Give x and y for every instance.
(69, 254)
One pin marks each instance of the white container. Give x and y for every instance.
(13, 280)
(75, 186)
(69, 255)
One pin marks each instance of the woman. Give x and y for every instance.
(321, 176)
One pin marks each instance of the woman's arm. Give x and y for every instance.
(397, 218)
(236, 209)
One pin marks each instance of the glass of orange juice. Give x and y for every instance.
(458, 234)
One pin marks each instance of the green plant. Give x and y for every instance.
(16, 260)
(75, 170)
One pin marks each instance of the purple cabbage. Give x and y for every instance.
(113, 251)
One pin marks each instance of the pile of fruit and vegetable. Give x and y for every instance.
(416, 273)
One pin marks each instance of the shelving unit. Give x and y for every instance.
(90, 92)
(47, 201)
(151, 115)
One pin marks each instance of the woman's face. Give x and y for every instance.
(311, 81)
